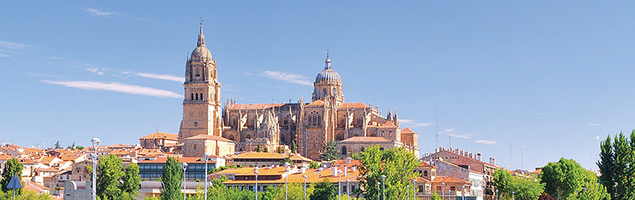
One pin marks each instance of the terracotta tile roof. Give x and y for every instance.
(342, 163)
(268, 155)
(122, 145)
(254, 106)
(388, 124)
(407, 130)
(475, 160)
(449, 179)
(34, 187)
(316, 103)
(313, 175)
(159, 135)
(71, 156)
(208, 137)
(366, 139)
(353, 105)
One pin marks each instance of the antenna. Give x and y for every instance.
(436, 124)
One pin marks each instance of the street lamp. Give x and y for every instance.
(206, 158)
(463, 191)
(305, 176)
(348, 189)
(407, 192)
(442, 189)
(496, 194)
(383, 185)
(95, 143)
(339, 185)
(184, 167)
(286, 166)
(378, 191)
(414, 189)
(513, 195)
(256, 172)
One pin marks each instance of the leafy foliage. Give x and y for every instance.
(293, 147)
(523, 188)
(436, 196)
(10, 168)
(131, 179)
(329, 151)
(396, 164)
(109, 172)
(566, 179)
(324, 190)
(617, 165)
(25, 195)
(314, 165)
(171, 179)
(258, 148)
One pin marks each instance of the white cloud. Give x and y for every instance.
(116, 87)
(593, 124)
(597, 137)
(5, 55)
(95, 70)
(485, 142)
(158, 76)
(414, 123)
(464, 136)
(449, 130)
(287, 77)
(13, 45)
(97, 12)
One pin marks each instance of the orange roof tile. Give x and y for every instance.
(407, 130)
(159, 135)
(353, 105)
(255, 106)
(389, 124)
(268, 155)
(208, 137)
(316, 103)
(181, 160)
(449, 179)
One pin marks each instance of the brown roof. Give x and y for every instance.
(208, 137)
(449, 179)
(366, 139)
(407, 130)
(181, 160)
(316, 103)
(268, 155)
(159, 135)
(353, 105)
(389, 124)
(255, 106)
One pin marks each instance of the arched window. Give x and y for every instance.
(324, 92)
(192, 96)
(344, 151)
(425, 173)
(381, 148)
(362, 150)
(196, 96)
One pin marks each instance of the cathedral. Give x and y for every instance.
(209, 128)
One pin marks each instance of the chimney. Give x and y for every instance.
(334, 170)
(348, 160)
(492, 161)
(303, 170)
(353, 168)
(478, 156)
(345, 169)
(471, 155)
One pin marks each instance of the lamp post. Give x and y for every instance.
(383, 186)
(348, 189)
(305, 176)
(256, 172)
(95, 143)
(442, 189)
(378, 196)
(496, 194)
(339, 185)
(184, 167)
(407, 192)
(414, 189)
(206, 158)
(286, 166)
(513, 195)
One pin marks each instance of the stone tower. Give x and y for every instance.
(328, 85)
(202, 104)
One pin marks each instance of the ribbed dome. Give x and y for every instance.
(201, 53)
(328, 75)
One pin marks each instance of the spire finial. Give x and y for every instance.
(201, 37)
(327, 62)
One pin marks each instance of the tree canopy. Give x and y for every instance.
(324, 190)
(396, 164)
(566, 179)
(329, 151)
(617, 166)
(521, 188)
(11, 167)
(171, 179)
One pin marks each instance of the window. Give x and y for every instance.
(344, 151)
(192, 96)
(438, 187)
(425, 173)
(324, 92)
(381, 148)
(453, 188)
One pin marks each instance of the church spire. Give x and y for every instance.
(201, 37)
(327, 62)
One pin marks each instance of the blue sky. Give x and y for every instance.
(550, 77)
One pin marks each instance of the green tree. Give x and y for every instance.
(617, 165)
(109, 172)
(171, 179)
(258, 148)
(324, 190)
(293, 147)
(11, 167)
(397, 164)
(524, 188)
(266, 149)
(314, 165)
(502, 181)
(131, 180)
(272, 193)
(566, 179)
(57, 145)
(329, 151)
(435, 196)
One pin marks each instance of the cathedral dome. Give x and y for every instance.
(201, 52)
(328, 75)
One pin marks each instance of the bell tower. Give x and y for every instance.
(202, 105)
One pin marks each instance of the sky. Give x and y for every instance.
(525, 82)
